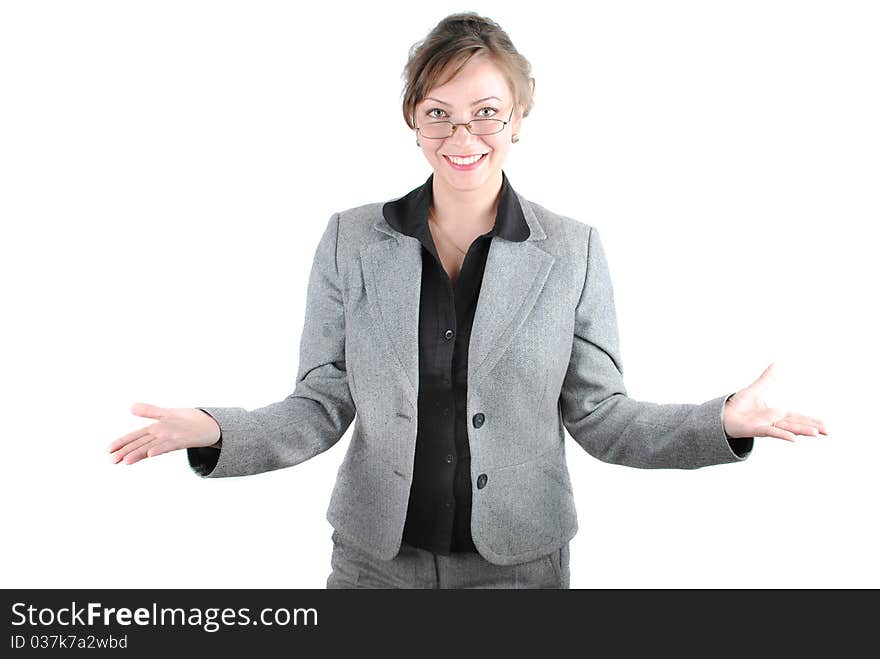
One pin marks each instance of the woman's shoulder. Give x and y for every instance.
(565, 233)
(361, 214)
(357, 223)
(556, 219)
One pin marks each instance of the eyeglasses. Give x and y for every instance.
(440, 130)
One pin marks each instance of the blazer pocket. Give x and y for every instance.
(558, 473)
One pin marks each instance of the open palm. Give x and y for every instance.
(746, 414)
(175, 428)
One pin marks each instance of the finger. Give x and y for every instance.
(781, 433)
(808, 420)
(813, 421)
(148, 411)
(767, 377)
(160, 448)
(138, 454)
(125, 439)
(798, 428)
(122, 453)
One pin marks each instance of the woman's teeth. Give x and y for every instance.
(465, 161)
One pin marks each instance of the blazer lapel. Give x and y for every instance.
(513, 279)
(392, 280)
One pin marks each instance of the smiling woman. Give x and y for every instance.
(463, 329)
(467, 92)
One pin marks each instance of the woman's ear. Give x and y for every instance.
(516, 123)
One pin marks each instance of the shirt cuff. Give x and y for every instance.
(742, 446)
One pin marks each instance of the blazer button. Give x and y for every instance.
(448, 334)
(478, 419)
(449, 457)
(481, 481)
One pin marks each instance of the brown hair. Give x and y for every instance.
(454, 41)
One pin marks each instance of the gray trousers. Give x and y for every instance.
(418, 568)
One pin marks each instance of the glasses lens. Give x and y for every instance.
(486, 126)
(436, 129)
(443, 129)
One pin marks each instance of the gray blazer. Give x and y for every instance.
(542, 359)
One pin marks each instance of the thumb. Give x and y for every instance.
(148, 411)
(766, 378)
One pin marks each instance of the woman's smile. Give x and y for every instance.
(465, 163)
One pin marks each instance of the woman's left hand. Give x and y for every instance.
(747, 415)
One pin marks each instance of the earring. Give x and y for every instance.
(514, 139)
(417, 142)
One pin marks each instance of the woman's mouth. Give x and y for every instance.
(465, 164)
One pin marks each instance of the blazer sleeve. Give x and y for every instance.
(320, 409)
(610, 425)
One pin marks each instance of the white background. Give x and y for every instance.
(166, 172)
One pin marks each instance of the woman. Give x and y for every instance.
(465, 327)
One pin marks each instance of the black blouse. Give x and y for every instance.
(439, 515)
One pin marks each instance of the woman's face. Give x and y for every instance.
(454, 101)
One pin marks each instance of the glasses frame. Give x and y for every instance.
(467, 125)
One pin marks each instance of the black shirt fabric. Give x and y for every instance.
(439, 514)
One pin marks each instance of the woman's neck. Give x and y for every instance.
(470, 212)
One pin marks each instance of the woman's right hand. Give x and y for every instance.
(175, 428)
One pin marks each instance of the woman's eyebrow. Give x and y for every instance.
(429, 98)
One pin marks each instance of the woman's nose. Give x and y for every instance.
(461, 135)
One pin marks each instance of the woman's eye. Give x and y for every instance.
(476, 116)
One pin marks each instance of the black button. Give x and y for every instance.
(449, 334)
(445, 411)
(478, 419)
(481, 481)
(449, 457)
(447, 504)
